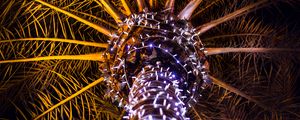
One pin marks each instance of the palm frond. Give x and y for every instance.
(170, 5)
(187, 12)
(96, 82)
(203, 28)
(111, 10)
(236, 91)
(141, 5)
(99, 28)
(85, 43)
(91, 57)
(213, 51)
(127, 8)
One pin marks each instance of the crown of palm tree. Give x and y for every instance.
(56, 57)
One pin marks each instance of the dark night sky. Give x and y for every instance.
(285, 14)
(290, 15)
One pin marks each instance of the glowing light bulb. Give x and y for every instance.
(150, 45)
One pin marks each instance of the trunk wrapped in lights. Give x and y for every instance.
(154, 65)
(155, 95)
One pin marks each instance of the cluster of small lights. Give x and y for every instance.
(157, 88)
(175, 39)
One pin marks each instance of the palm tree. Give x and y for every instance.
(139, 59)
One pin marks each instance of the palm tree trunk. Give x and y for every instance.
(155, 95)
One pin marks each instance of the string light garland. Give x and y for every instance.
(154, 66)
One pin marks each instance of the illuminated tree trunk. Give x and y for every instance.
(155, 95)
